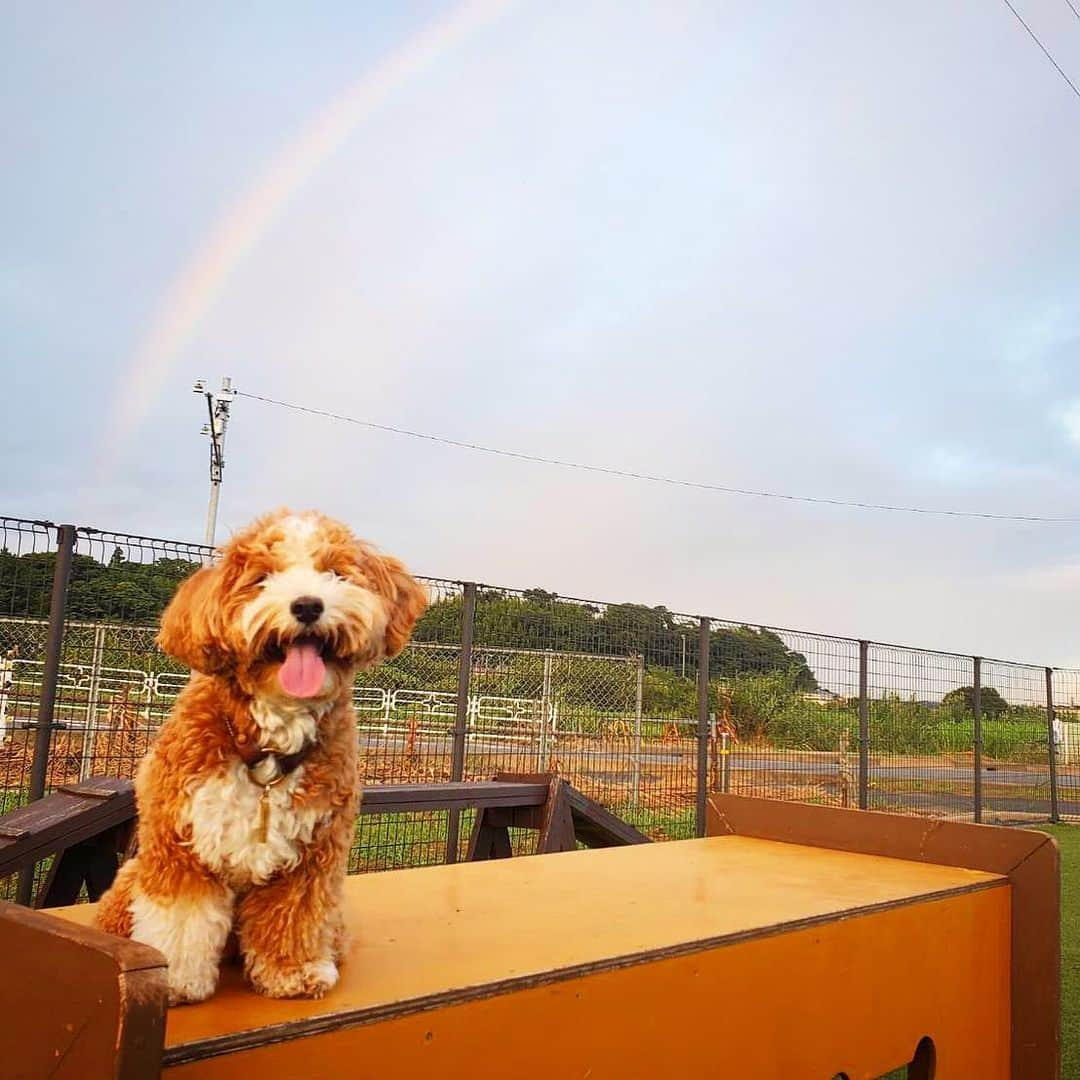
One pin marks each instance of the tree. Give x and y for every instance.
(744, 650)
(121, 591)
(537, 619)
(125, 591)
(992, 705)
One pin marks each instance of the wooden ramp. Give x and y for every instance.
(736, 955)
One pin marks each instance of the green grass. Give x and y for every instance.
(1068, 838)
(659, 824)
(11, 799)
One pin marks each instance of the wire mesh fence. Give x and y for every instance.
(115, 687)
(611, 700)
(641, 708)
(405, 712)
(921, 747)
(1015, 735)
(786, 709)
(1065, 691)
(27, 566)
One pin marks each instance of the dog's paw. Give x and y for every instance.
(187, 987)
(310, 980)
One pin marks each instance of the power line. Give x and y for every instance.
(650, 477)
(1046, 52)
(1072, 8)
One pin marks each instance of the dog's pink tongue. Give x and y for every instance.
(303, 672)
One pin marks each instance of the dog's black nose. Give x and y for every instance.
(307, 609)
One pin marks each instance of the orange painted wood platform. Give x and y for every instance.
(727, 956)
(796, 941)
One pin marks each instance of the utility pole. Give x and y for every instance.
(218, 406)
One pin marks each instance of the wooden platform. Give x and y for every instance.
(1028, 859)
(663, 960)
(794, 942)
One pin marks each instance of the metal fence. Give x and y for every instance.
(643, 709)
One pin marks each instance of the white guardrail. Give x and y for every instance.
(87, 696)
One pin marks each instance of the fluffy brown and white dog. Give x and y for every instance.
(248, 795)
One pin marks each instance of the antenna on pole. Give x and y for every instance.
(218, 406)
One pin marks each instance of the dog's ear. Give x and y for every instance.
(191, 626)
(405, 599)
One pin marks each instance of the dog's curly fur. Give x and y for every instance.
(211, 860)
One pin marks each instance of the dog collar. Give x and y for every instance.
(265, 765)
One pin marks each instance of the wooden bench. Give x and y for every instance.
(790, 943)
(89, 827)
(85, 827)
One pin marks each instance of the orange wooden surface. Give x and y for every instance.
(852, 995)
(1028, 859)
(421, 936)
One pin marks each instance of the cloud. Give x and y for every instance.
(1069, 418)
(745, 249)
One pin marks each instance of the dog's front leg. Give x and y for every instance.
(290, 929)
(189, 924)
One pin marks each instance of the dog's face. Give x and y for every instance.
(294, 606)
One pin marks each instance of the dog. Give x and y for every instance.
(248, 795)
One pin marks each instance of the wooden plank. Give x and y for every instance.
(92, 862)
(51, 844)
(594, 825)
(598, 827)
(417, 798)
(490, 839)
(513, 817)
(556, 823)
(95, 788)
(1029, 859)
(78, 1003)
(63, 818)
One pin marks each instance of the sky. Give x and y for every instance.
(821, 250)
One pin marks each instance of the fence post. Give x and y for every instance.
(461, 713)
(976, 708)
(702, 724)
(545, 716)
(1055, 816)
(43, 737)
(864, 725)
(93, 695)
(639, 697)
(7, 677)
(65, 549)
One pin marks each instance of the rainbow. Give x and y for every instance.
(201, 282)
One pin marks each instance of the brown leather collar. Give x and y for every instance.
(251, 754)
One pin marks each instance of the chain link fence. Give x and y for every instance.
(643, 709)
(1064, 692)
